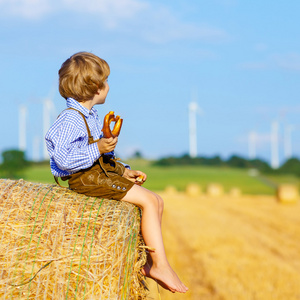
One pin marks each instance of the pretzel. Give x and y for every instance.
(140, 179)
(110, 117)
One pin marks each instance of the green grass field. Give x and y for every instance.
(180, 177)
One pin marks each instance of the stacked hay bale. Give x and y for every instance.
(215, 190)
(171, 190)
(287, 193)
(56, 244)
(235, 192)
(193, 190)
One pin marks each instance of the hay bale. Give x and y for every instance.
(235, 192)
(287, 193)
(193, 190)
(215, 190)
(56, 244)
(170, 190)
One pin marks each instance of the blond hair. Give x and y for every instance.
(81, 75)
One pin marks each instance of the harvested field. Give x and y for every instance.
(232, 248)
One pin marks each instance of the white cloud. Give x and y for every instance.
(109, 9)
(289, 61)
(126, 8)
(260, 47)
(253, 65)
(160, 25)
(154, 23)
(110, 12)
(27, 9)
(227, 2)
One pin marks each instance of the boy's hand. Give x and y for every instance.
(137, 177)
(107, 145)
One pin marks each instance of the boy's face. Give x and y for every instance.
(102, 93)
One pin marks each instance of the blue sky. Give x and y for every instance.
(239, 59)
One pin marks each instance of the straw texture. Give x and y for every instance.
(57, 244)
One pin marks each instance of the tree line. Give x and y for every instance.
(14, 162)
(290, 166)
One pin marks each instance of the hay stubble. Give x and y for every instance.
(232, 247)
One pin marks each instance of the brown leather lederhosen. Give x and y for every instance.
(102, 179)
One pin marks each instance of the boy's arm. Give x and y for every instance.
(106, 145)
(68, 148)
(137, 177)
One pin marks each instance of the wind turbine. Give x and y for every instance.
(288, 141)
(48, 115)
(252, 140)
(274, 145)
(194, 109)
(22, 127)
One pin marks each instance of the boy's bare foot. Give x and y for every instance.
(165, 277)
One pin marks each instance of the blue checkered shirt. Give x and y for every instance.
(67, 140)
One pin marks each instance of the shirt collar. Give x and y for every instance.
(76, 105)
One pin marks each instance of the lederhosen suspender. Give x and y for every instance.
(90, 137)
(91, 140)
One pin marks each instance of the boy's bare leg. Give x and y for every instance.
(147, 267)
(160, 270)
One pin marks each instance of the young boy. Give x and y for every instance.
(80, 154)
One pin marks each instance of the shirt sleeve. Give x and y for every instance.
(70, 149)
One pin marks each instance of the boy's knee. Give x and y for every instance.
(160, 202)
(157, 201)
